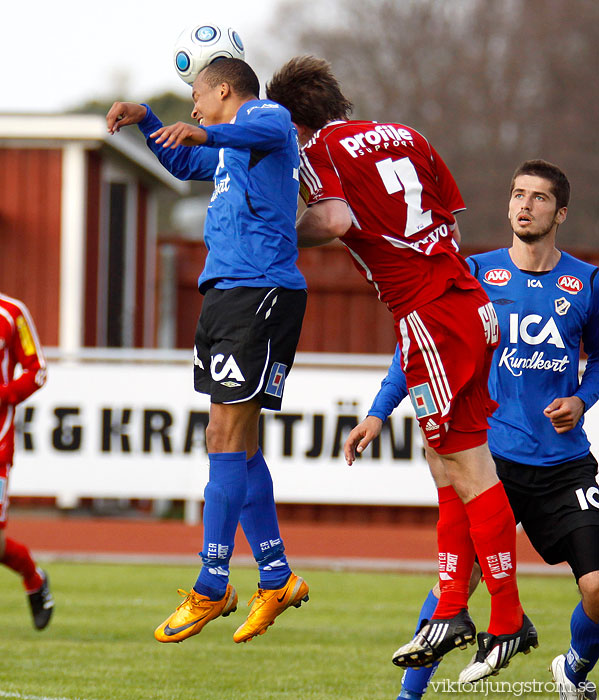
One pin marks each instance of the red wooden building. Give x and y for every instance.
(78, 229)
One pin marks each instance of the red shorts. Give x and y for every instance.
(447, 347)
(4, 471)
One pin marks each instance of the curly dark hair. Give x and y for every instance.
(306, 86)
(560, 186)
(234, 71)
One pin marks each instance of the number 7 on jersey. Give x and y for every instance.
(398, 175)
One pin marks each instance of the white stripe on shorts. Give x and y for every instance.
(433, 361)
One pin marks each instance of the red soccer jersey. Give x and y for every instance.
(19, 346)
(402, 199)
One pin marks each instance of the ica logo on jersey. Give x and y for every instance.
(498, 277)
(529, 329)
(532, 329)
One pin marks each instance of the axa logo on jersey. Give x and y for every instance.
(570, 284)
(498, 277)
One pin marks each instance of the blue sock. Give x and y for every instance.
(415, 680)
(224, 496)
(261, 526)
(584, 646)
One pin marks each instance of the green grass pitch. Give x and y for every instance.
(100, 644)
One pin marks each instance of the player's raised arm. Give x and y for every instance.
(124, 114)
(258, 124)
(179, 134)
(182, 162)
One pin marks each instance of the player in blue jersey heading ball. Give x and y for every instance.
(249, 327)
(547, 303)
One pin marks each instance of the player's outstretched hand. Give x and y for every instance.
(564, 413)
(123, 114)
(360, 437)
(179, 134)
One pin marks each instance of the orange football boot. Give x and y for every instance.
(194, 613)
(268, 604)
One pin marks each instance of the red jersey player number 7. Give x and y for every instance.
(383, 190)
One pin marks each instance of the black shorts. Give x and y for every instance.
(245, 343)
(558, 508)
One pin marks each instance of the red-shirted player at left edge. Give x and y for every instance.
(386, 194)
(22, 371)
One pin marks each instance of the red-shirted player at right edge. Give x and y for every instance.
(19, 346)
(385, 192)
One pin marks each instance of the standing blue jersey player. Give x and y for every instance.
(547, 302)
(249, 327)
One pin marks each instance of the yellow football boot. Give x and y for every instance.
(268, 604)
(193, 613)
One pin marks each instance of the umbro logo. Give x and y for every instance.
(196, 359)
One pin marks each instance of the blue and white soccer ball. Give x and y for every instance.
(200, 44)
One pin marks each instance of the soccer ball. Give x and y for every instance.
(201, 44)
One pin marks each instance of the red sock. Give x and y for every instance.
(493, 531)
(18, 558)
(456, 554)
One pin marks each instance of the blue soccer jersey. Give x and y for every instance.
(250, 224)
(543, 318)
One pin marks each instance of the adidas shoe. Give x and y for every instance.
(495, 652)
(41, 603)
(435, 639)
(566, 689)
(194, 613)
(269, 604)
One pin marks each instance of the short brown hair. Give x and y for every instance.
(306, 86)
(560, 186)
(234, 71)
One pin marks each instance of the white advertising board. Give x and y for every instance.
(136, 430)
